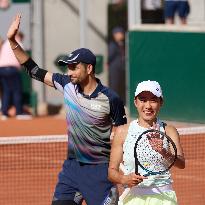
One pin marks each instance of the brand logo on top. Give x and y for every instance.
(95, 106)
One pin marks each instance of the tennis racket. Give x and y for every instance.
(154, 152)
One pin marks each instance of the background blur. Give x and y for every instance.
(56, 27)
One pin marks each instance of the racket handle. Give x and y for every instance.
(137, 173)
(136, 163)
(136, 170)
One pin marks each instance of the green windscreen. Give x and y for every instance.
(177, 61)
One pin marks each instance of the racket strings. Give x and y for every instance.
(150, 158)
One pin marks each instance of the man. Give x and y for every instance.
(148, 101)
(92, 110)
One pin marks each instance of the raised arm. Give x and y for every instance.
(30, 66)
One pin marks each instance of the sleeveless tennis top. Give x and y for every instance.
(134, 132)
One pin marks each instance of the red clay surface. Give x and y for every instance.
(28, 172)
(189, 183)
(36, 126)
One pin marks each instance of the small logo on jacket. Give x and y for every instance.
(95, 106)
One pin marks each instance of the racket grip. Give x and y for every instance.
(136, 164)
(137, 173)
(136, 170)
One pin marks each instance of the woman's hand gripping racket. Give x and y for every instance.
(154, 152)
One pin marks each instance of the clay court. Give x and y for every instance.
(29, 165)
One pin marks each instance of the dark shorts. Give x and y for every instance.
(89, 180)
(180, 7)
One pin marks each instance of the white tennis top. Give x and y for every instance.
(134, 132)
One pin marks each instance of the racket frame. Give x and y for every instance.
(137, 163)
